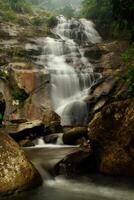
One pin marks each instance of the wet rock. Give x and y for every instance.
(99, 104)
(26, 143)
(75, 136)
(104, 88)
(6, 93)
(112, 137)
(54, 138)
(93, 53)
(27, 76)
(115, 46)
(16, 172)
(26, 131)
(75, 163)
(36, 83)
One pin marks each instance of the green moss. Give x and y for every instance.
(51, 21)
(128, 55)
(3, 74)
(130, 80)
(19, 94)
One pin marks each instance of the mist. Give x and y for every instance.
(58, 4)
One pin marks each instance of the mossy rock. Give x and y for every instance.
(112, 137)
(16, 172)
(73, 135)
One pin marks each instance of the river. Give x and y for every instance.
(91, 187)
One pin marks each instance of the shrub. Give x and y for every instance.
(128, 55)
(51, 21)
(130, 80)
(19, 94)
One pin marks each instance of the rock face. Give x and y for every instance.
(110, 64)
(16, 172)
(112, 136)
(36, 83)
(5, 92)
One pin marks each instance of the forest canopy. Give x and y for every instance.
(119, 13)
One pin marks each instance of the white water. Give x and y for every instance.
(94, 187)
(71, 73)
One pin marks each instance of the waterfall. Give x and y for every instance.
(71, 73)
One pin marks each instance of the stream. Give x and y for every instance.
(92, 187)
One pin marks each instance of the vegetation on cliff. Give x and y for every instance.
(115, 14)
(22, 12)
(115, 17)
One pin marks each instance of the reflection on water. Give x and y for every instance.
(94, 187)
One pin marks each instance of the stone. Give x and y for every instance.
(30, 129)
(27, 76)
(75, 163)
(16, 172)
(111, 133)
(72, 136)
(53, 138)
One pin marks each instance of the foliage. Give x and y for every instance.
(20, 6)
(130, 80)
(3, 74)
(128, 55)
(51, 21)
(18, 94)
(118, 14)
(97, 9)
(67, 11)
(9, 9)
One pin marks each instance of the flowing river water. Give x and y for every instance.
(92, 187)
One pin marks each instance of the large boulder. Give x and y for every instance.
(16, 172)
(111, 133)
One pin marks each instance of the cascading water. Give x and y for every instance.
(71, 73)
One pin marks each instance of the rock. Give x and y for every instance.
(36, 83)
(93, 52)
(26, 131)
(104, 88)
(26, 143)
(16, 172)
(27, 76)
(54, 138)
(75, 163)
(112, 137)
(74, 135)
(99, 104)
(6, 93)
(115, 46)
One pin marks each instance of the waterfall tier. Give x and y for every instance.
(71, 72)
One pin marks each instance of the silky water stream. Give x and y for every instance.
(93, 187)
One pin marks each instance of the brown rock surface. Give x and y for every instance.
(16, 172)
(112, 135)
(74, 135)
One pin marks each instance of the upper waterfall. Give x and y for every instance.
(71, 72)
